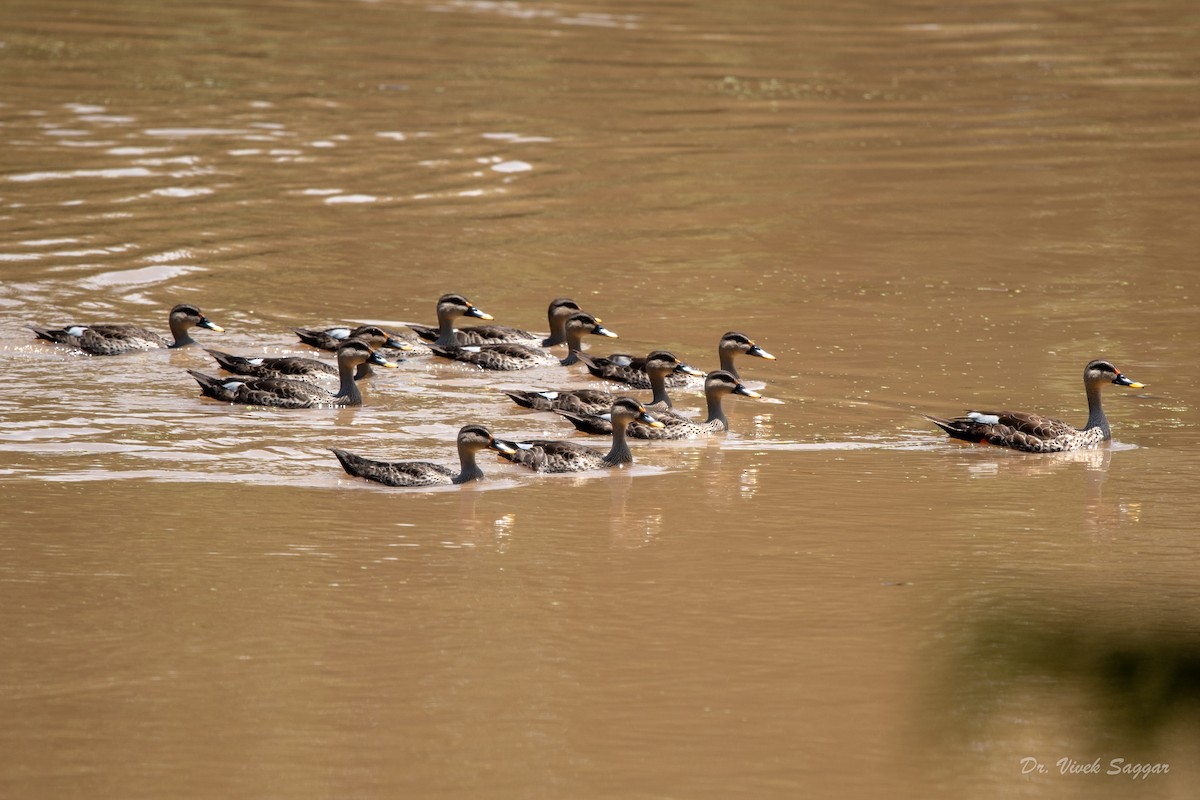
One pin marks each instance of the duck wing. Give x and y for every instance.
(498, 356)
(555, 455)
(394, 473)
(675, 425)
(267, 367)
(580, 401)
(275, 392)
(279, 392)
(107, 340)
(479, 334)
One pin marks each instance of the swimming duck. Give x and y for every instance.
(296, 367)
(471, 440)
(280, 392)
(332, 338)
(1037, 434)
(717, 385)
(111, 340)
(552, 455)
(560, 310)
(513, 356)
(631, 370)
(449, 308)
(593, 402)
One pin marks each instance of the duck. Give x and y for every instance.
(631, 370)
(553, 455)
(115, 339)
(449, 308)
(717, 385)
(513, 356)
(332, 338)
(472, 439)
(559, 311)
(295, 367)
(281, 392)
(593, 402)
(1034, 433)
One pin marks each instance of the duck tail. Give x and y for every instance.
(308, 336)
(521, 398)
(350, 462)
(212, 387)
(586, 423)
(224, 359)
(957, 428)
(55, 335)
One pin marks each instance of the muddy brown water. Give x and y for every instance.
(918, 208)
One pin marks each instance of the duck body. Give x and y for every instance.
(471, 440)
(499, 356)
(627, 369)
(115, 339)
(273, 367)
(579, 401)
(718, 384)
(556, 455)
(594, 402)
(333, 338)
(1034, 433)
(507, 356)
(284, 392)
(294, 367)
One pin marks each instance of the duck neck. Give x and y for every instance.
(1096, 418)
(715, 412)
(347, 393)
(446, 337)
(574, 346)
(727, 362)
(620, 452)
(558, 330)
(470, 470)
(181, 331)
(658, 385)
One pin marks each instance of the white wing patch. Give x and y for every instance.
(983, 419)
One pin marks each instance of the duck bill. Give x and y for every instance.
(687, 369)
(600, 330)
(376, 358)
(1121, 380)
(502, 446)
(477, 313)
(397, 344)
(649, 420)
(758, 351)
(742, 390)
(205, 322)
